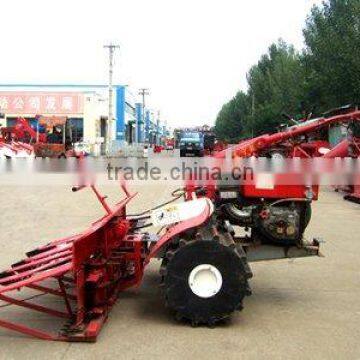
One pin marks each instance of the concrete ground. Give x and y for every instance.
(304, 308)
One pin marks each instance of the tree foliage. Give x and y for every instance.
(331, 57)
(276, 85)
(325, 75)
(230, 123)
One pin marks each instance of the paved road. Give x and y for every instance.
(305, 308)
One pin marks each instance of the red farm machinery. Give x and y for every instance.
(53, 142)
(310, 139)
(204, 270)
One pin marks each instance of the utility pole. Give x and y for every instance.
(111, 48)
(143, 92)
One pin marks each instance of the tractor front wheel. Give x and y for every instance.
(205, 281)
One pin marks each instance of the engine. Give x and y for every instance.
(281, 223)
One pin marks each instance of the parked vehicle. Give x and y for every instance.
(192, 143)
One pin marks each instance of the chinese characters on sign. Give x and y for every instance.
(38, 103)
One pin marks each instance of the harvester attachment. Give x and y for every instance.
(86, 271)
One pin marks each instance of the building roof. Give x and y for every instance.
(20, 85)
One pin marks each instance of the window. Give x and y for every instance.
(76, 125)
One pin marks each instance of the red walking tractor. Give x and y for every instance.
(205, 263)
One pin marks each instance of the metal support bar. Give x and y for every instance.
(272, 252)
(51, 291)
(28, 331)
(302, 151)
(102, 200)
(35, 307)
(66, 299)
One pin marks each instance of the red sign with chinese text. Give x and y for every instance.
(38, 103)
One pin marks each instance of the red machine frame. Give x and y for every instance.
(253, 147)
(291, 140)
(89, 264)
(90, 270)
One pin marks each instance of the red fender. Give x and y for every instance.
(178, 229)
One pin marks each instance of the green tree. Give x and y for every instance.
(324, 76)
(276, 84)
(231, 119)
(331, 57)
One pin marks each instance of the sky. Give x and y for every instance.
(193, 55)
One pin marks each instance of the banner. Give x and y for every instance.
(39, 103)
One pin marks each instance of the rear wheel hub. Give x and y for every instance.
(205, 281)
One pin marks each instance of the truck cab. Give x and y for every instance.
(192, 143)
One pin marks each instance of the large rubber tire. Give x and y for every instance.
(181, 299)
